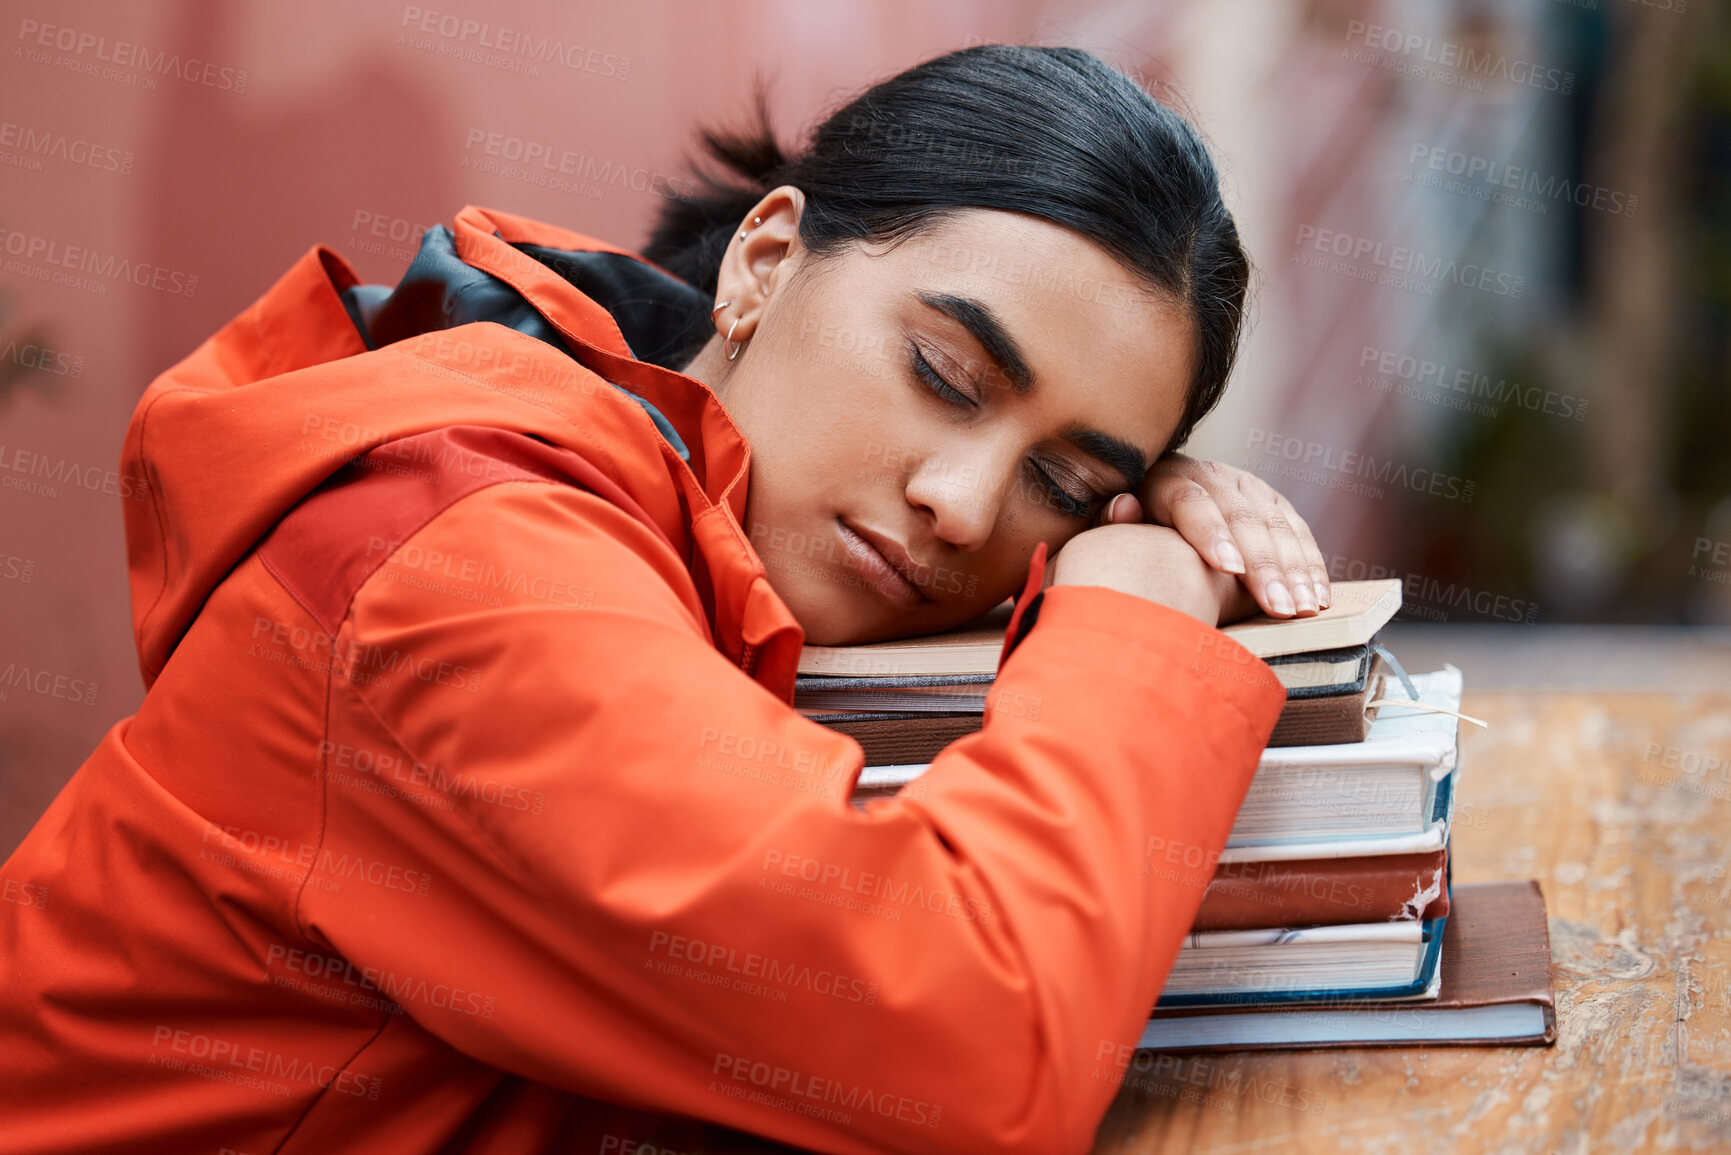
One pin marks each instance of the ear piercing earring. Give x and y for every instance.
(728, 346)
(734, 352)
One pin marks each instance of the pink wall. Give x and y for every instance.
(219, 141)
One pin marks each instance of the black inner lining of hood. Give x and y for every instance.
(663, 319)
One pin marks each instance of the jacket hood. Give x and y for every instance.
(500, 321)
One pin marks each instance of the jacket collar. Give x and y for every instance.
(752, 625)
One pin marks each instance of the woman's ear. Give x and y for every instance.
(761, 255)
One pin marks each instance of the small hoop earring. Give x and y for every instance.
(736, 348)
(719, 307)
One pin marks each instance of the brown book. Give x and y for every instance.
(901, 739)
(1495, 990)
(1326, 892)
(1328, 720)
(913, 738)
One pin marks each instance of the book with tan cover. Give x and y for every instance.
(1357, 611)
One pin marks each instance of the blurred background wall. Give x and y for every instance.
(1490, 352)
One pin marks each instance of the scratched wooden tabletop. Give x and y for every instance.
(1619, 803)
(1606, 775)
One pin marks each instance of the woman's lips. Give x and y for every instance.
(884, 578)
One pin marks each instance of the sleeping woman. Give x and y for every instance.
(467, 809)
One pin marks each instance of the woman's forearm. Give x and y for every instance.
(656, 929)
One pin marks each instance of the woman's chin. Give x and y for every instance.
(831, 614)
(838, 613)
(830, 617)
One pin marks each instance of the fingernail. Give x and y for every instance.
(1280, 598)
(1305, 597)
(1229, 558)
(1323, 596)
(1113, 506)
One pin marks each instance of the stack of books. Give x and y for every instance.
(904, 701)
(1324, 922)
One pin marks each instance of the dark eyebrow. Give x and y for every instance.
(978, 319)
(1120, 455)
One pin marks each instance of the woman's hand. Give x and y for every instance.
(1238, 524)
(1152, 562)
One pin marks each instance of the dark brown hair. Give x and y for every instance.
(1053, 132)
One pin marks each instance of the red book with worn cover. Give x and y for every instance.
(1326, 892)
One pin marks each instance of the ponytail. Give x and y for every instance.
(692, 231)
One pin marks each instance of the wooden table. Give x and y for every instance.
(1571, 788)
(1601, 785)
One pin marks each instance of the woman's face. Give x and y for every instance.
(920, 416)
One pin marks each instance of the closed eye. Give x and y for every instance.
(1050, 492)
(1066, 502)
(935, 382)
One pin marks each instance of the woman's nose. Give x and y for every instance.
(963, 496)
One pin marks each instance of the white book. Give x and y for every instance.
(1383, 959)
(1318, 801)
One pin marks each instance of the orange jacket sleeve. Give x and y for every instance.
(652, 879)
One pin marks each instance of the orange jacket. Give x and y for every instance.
(467, 797)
